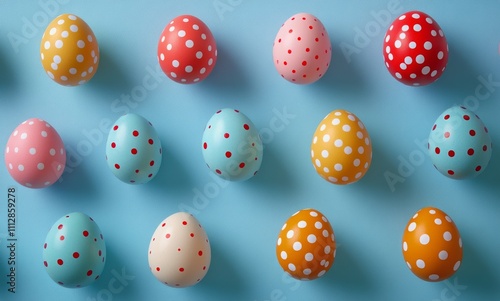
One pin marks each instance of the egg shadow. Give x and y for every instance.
(222, 278)
(8, 75)
(228, 77)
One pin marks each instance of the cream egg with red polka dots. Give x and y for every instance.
(302, 51)
(69, 51)
(341, 149)
(35, 155)
(133, 149)
(187, 51)
(74, 252)
(306, 245)
(432, 246)
(415, 49)
(179, 252)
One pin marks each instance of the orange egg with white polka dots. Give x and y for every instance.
(69, 51)
(432, 246)
(306, 245)
(341, 150)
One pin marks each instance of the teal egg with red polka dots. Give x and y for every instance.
(459, 144)
(74, 252)
(231, 145)
(133, 149)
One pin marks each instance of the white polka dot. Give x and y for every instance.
(16, 149)
(433, 277)
(189, 43)
(171, 29)
(324, 153)
(311, 238)
(415, 16)
(433, 33)
(408, 60)
(210, 61)
(65, 34)
(52, 152)
(426, 70)
(291, 267)
(405, 27)
(72, 17)
(302, 224)
(56, 59)
(346, 128)
(438, 221)
(40, 166)
(443, 255)
(46, 45)
(412, 226)
(338, 167)
(181, 33)
(309, 257)
(428, 45)
(337, 143)
(397, 44)
(203, 70)
(32, 151)
(162, 56)
(424, 239)
(60, 22)
(315, 139)
(199, 55)
(447, 236)
(420, 59)
(326, 138)
(72, 71)
(313, 213)
(402, 36)
(84, 73)
(50, 74)
(447, 218)
(289, 234)
(279, 241)
(359, 134)
(337, 113)
(408, 264)
(163, 39)
(440, 55)
(434, 73)
(43, 133)
(196, 27)
(441, 33)
(307, 272)
(387, 38)
(361, 150)
(328, 249)
(412, 45)
(185, 20)
(428, 20)
(413, 75)
(358, 175)
(209, 48)
(188, 69)
(169, 47)
(356, 162)
(318, 162)
(325, 233)
(10, 166)
(460, 242)
(284, 255)
(417, 27)
(405, 246)
(20, 167)
(80, 44)
(284, 226)
(456, 266)
(333, 179)
(203, 36)
(24, 136)
(402, 17)
(387, 49)
(347, 150)
(79, 58)
(391, 57)
(173, 74)
(420, 263)
(321, 273)
(398, 75)
(335, 121)
(297, 246)
(402, 66)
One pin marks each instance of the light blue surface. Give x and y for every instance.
(243, 219)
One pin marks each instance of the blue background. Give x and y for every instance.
(243, 219)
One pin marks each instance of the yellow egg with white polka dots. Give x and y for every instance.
(69, 51)
(341, 150)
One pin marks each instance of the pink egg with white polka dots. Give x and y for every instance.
(302, 51)
(187, 51)
(35, 155)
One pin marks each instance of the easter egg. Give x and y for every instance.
(306, 245)
(415, 49)
(302, 51)
(187, 51)
(74, 252)
(231, 145)
(432, 247)
(341, 150)
(35, 155)
(133, 149)
(69, 51)
(179, 252)
(459, 144)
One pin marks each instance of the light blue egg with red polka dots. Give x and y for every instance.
(459, 144)
(133, 149)
(74, 252)
(231, 145)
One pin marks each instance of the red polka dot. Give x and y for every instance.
(310, 27)
(299, 38)
(307, 49)
(89, 272)
(304, 76)
(218, 111)
(113, 145)
(150, 141)
(157, 269)
(45, 245)
(133, 151)
(117, 166)
(60, 226)
(289, 51)
(85, 233)
(279, 41)
(437, 150)
(226, 135)
(204, 267)
(168, 235)
(446, 117)
(152, 163)
(246, 126)
(205, 145)
(99, 253)
(478, 168)
(163, 225)
(200, 253)
(317, 40)
(472, 133)
(181, 269)
(290, 31)
(76, 255)
(486, 129)
(451, 153)
(434, 127)
(447, 134)
(135, 133)
(60, 262)
(178, 249)
(184, 223)
(45, 264)
(61, 237)
(228, 154)
(466, 117)
(218, 171)
(316, 57)
(470, 151)
(242, 165)
(285, 63)
(237, 111)
(150, 175)
(294, 71)
(304, 63)
(451, 172)
(192, 234)
(115, 128)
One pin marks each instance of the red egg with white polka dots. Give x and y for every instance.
(35, 155)
(302, 51)
(187, 51)
(415, 49)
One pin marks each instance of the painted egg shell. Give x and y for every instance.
(69, 51)
(231, 145)
(133, 149)
(302, 51)
(415, 49)
(35, 155)
(459, 144)
(306, 245)
(74, 253)
(341, 149)
(432, 247)
(179, 251)
(187, 51)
